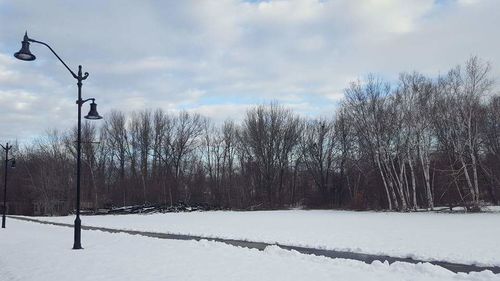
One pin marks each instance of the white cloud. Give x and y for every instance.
(221, 112)
(468, 2)
(217, 57)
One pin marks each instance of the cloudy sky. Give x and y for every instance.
(219, 57)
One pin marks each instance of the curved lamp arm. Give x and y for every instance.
(52, 50)
(86, 100)
(7, 147)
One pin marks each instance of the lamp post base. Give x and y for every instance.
(78, 229)
(3, 220)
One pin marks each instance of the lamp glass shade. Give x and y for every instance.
(93, 115)
(25, 53)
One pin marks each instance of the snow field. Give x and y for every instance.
(31, 251)
(461, 238)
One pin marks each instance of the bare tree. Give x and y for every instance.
(269, 135)
(367, 106)
(116, 130)
(317, 148)
(458, 114)
(188, 129)
(491, 140)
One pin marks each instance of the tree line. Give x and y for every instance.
(416, 143)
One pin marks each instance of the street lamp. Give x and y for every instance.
(26, 55)
(13, 165)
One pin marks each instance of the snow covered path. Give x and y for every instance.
(30, 251)
(459, 238)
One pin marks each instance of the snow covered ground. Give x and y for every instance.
(31, 251)
(461, 238)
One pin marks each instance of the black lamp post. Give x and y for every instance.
(26, 55)
(13, 165)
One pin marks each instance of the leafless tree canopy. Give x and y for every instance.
(419, 142)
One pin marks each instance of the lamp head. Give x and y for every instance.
(13, 163)
(93, 115)
(25, 53)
